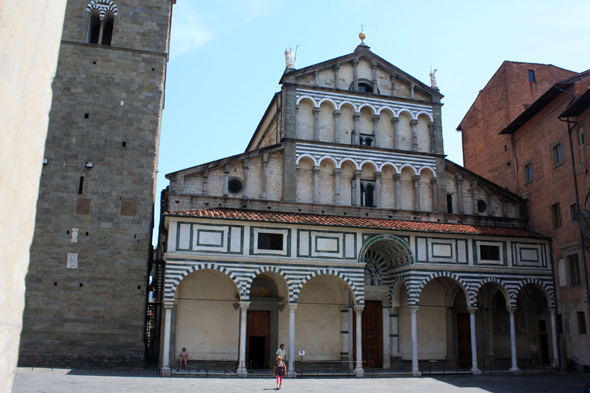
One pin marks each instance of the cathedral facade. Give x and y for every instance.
(344, 233)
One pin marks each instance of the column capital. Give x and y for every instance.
(337, 112)
(357, 173)
(395, 120)
(244, 305)
(316, 168)
(378, 175)
(374, 64)
(397, 176)
(511, 310)
(376, 118)
(356, 114)
(359, 309)
(393, 75)
(316, 110)
(459, 178)
(355, 61)
(337, 66)
(433, 180)
(552, 311)
(337, 170)
(472, 310)
(292, 307)
(414, 122)
(168, 306)
(416, 178)
(413, 309)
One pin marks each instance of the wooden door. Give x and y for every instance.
(464, 340)
(258, 338)
(372, 334)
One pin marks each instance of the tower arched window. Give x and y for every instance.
(367, 194)
(101, 22)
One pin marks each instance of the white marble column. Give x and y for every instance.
(242, 370)
(395, 122)
(397, 184)
(393, 85)
(474, 368)
(166, 349)
(226, 181)
(337, 172)
(394, 333)
(374, 69)
(432, 144)
(357, 180)
(386, 346)
(412, 87)
(316, 184)
(317, 77)
(336, 76)
(378, 141)
(416, 192)
(414, 328)
(554, 338)
(316, 124)
(355, 75)
(292, 352)
(460, 205)
(205, 179)
(359, 342)
(245, 168)
(264, 176)
(337, 137)
(474, 191)
(378, 189)
(350, 338)
(514, 367)
(414, 124)
(434, 194)
(357, 132)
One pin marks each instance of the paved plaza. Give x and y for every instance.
(45, 380)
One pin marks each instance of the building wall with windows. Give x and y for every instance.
(542, 165)
(342, 217)
(87, 281)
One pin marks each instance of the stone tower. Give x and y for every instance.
(88, 276)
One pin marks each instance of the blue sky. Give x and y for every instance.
(227, 57)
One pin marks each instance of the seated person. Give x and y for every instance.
(184, 358)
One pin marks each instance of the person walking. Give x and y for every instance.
(279, 370)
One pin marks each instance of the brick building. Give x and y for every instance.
(86, 288)
(343, 231)
(535, 146)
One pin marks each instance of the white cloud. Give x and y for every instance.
(187, 32)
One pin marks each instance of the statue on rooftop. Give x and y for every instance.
(289, 58)
(433, 79)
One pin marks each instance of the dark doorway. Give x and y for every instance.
(543, 341)
(464, 340)
(257, 351)
(258, 341)
(372, 334)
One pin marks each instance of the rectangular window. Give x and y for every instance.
(528, 172)
(270, 241)
(489, 253)
(574, 263)
(449, 203)
(556, 215)
(582, 322)
(556, 154)
(532, 78)
(573, 212)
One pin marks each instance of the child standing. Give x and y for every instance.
(279, 371)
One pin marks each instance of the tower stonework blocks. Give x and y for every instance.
(86, 294)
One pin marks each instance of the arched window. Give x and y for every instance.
(365, 87)
(367, 194)
(107, 33)
(94, 27)
(101, 21)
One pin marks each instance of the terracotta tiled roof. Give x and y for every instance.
(356, 222)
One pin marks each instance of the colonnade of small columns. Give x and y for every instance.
(356, 188)
(379, 140)
(393, 77)
(475, 198)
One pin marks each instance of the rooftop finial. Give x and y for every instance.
(362, 35)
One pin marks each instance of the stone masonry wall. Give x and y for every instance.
(106, 109)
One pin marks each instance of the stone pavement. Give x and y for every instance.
(60, 380)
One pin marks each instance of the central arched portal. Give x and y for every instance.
(382, 255)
